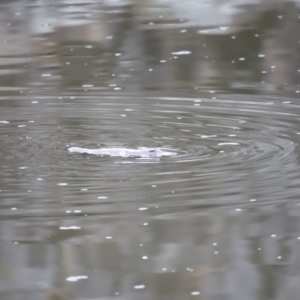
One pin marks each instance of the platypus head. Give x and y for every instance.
(155, 153)
(160, 153)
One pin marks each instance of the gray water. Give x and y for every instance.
(216, 81)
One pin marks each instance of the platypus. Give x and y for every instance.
(123, 152)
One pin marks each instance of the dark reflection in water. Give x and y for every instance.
(217, 82)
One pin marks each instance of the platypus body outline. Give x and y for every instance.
(142, 152)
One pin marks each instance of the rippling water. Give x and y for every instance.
(216, 83)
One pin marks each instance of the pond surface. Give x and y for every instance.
(217, 82)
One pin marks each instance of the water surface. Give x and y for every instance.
(217, 82)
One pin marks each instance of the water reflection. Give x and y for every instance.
(215, 80)
(153, 45)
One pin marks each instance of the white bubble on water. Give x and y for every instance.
(69, 227)
(195, 293)
(139, 287)
(143, 208)
(76, 278)
(183, 52)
